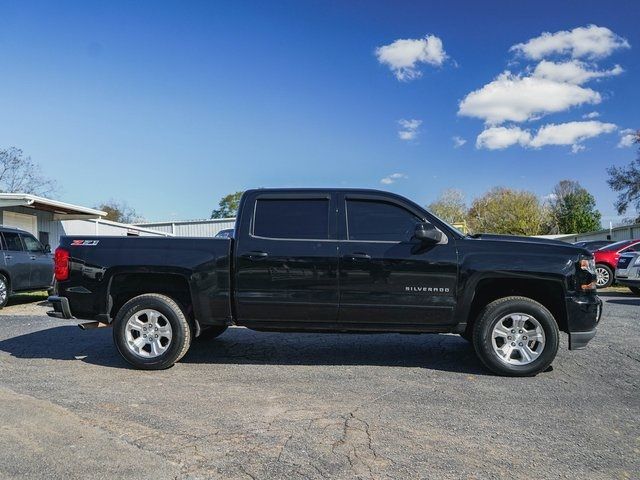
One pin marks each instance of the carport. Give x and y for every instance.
(41, 216)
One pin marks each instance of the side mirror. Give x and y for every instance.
(47, 248)
(427, 233)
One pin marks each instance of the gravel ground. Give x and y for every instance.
(268, 406)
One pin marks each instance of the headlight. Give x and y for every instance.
(587, 276)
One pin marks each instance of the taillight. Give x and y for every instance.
(61, 264)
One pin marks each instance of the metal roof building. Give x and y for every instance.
(191, 228)
(48, 219)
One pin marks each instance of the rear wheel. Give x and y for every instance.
(516, 336)
(151, 332)
(604, 276)
(635, 290)
(4, 291)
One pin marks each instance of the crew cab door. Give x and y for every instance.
(386, 276)
(16, 260)
(286, 261)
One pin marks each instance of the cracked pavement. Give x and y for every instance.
(312, 406)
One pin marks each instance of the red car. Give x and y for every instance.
(607, 260)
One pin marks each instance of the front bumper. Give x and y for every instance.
(583, 315)
(60, 307)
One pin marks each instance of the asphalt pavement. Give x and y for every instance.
(312, 406)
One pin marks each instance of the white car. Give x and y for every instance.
(628, 271)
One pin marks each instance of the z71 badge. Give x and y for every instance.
(85, 243)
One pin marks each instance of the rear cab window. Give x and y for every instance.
(292, 218)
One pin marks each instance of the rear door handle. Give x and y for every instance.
(33, 257)
(357, 256)
(255, 255)
(8, 257)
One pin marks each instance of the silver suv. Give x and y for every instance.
(24, 263)
(628, 271)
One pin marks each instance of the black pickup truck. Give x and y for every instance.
(332, 260)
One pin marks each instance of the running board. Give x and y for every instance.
(91, 325)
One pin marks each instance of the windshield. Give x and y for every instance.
(456, 230)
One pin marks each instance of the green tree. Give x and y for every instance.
(573, 209)
(228, 206)
(626, 181)
(506, 211)
(450, 206)
(119, 212)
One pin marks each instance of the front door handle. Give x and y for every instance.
(357, 256)
(8, 257)
(257, 255)
(33, 257)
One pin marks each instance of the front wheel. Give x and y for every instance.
(151, 332)
(635, 290)
(604, 276)
(516, 336)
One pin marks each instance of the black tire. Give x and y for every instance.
(494, 312)
(211, 332)
(4, 286)
(609, 274)
(635, 291)
(180, 335)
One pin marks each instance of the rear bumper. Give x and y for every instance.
(583, 315)
(60, 307)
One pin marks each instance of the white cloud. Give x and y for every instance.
(404, 56)
(591, 115)
(519, 98)
(499, 138)
(573, 71)
(409, 129)
(570, 133)
(577, 148)
(394, 177)
(627, 138)
(581, 42)
(458, 141)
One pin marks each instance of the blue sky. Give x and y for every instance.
(169, 106)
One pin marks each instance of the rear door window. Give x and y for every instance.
(292, 218)
(12, 242)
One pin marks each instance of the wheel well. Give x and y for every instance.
(128, 285)
(547, 293)
(6, 275)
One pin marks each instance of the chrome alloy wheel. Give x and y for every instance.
(3, 291)
(148, 333)
(518, 339)
(602, 276)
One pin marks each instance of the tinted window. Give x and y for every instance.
(375, 220)
(31, 243)
(292, 218)
(12, 241)
(633, 248)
